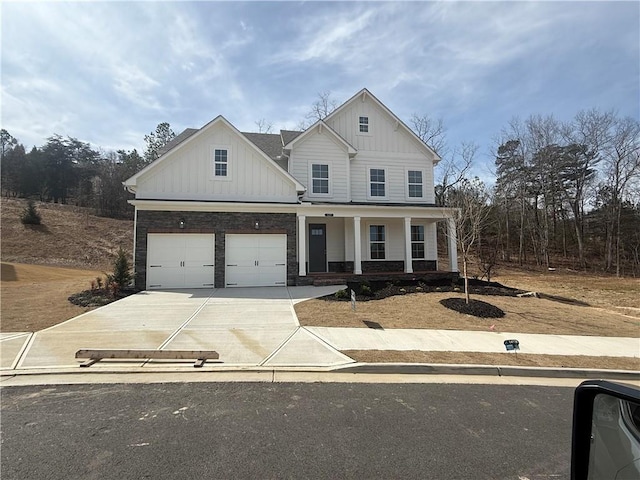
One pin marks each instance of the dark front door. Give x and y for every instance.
(317, 247)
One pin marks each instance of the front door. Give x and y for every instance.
(317, 247)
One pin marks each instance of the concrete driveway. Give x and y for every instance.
(246, 326)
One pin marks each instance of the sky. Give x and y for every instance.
(108, 72)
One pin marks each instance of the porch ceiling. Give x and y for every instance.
(390, 211)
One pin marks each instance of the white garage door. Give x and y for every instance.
(255, 260)
(184, 260)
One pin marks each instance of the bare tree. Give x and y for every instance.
(470, 198)
(453, 170)
(621, 160)
(430, 131)
(322, 107)
(264, 126)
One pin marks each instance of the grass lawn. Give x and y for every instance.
(571, 304)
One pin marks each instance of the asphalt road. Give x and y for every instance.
(258, 430)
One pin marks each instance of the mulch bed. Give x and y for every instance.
(477, 308)
(379, 290)
(98, 297)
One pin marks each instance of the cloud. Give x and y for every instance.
(110, 71)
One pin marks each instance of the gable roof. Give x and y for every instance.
(288, 135)
(269, 143)
(188, 138)
(351, 150)
(364, 92)
(186, 133)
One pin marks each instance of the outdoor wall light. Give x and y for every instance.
(181, 223)
(257, 225)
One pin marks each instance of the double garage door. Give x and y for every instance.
(188, 260)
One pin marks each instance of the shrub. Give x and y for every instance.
(342, 294)
(366, 290)
(30, 215)
(121, 270)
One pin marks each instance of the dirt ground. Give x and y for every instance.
(476, 358)
(68, 237)
(423, 310)
(618, 294)
(34, 297)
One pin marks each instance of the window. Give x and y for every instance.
(220, 157)
(417, 241)
(364, 125)
(414, 181)
(377, 182)
(376, 242)
(320, 179)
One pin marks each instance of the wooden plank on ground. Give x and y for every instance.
(100, 354)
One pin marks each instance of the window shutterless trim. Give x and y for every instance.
(375, 181)
(411, 181)
(418, 243)
(377, 241)
(313, 179)
(364, 125)
(221, 162)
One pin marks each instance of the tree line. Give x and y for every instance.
(69, 171)
(565, 193)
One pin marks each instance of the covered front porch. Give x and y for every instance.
(371, 240)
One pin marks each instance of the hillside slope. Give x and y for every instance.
(69, 236)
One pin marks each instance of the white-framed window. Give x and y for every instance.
(363, 124)
(320, 184)
(415, 184)
(377, 188)
(221, 158)
(377, 242)
(417, 241)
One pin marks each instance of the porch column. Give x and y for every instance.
(408, 261)
(302, 246)
(357, 251)
(453, 244)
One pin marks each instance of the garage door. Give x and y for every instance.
(255, 260)
(180, 260)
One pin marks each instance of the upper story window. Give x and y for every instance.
(415, 187)
(417, 241)
(377, 242)
(364, 125)
(220, 162)
(377, 183)
(320, 179)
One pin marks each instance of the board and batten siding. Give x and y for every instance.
(320, 148)
(383, 136)
(387, 145)
(187, 172)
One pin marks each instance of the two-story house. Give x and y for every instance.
(353, 193)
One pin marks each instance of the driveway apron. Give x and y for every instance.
(246, 326)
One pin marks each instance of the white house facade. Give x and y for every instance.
(351, 195)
